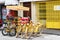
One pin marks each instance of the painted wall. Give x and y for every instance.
(39, 14)
(52, 16)
(33, 12)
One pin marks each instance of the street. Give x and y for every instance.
(43, 37)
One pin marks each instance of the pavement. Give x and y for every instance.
(42, 37)
(51, 31)
(48, 34)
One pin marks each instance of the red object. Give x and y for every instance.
(0, 21)
(24, 20)
(11, 13)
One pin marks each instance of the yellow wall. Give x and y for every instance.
(52, 16)
(37, 8)
(38, 13)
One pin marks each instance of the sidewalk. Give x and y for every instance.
(51, 31)
(43, 37)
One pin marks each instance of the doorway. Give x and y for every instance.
(27, 13)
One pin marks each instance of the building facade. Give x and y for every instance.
(46, 12)
(53, 14)
(32, 13)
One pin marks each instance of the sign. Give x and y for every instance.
(30, 0)
(57, 7)
(11, 2)
(17, 8)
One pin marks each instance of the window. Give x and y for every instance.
(42, 11)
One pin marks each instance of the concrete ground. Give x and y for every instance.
(48, 34)
(51, 31)
(43, 37)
